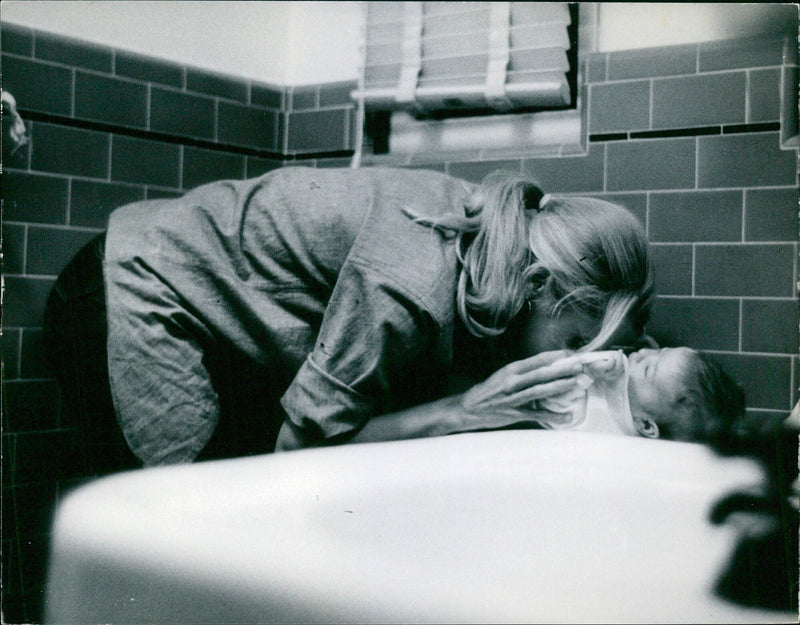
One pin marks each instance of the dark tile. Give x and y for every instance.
(265, 95)
(476, 171)
(35, 515)
(92, 202)
(702, 100)
(259, 166)
(571, 174)
(318, 131)
(201, 166)
(250, 126)
(16, 39)
(157, 194)
(31, 405)
(110, 100)
(181, 114)
(9, 517)
(619, 106)
(336, 94)
(744, 270)
(70, 150)
(145, 162)
(13, 249)
(34, 552)
(13, 608)
(37, 86)
(50, 249)
(696, 216)
(9, 455)
(73, 52)
(650, 164)
(24, 301)
(756, 421)
(148, 68)
(303, 98)
(34, 198)
(48, 456)
(695, 322)
(34, 362)
(596, 67)
(796, 380)
(10, 341)
(764, 95)
(672, 266)
(216, 84)
(771, 215)
(766, 379)
(740, 53)
(652, 62)
(770, 326)
(747, 160)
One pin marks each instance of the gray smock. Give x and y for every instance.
(316, 273)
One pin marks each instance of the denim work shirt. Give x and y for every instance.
(317, 273)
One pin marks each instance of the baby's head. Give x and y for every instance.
(680, 394)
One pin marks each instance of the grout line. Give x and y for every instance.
(180, 167)
(72, 91)
(69, 201)
(747, 298)
(19, 354)
(148, 105)
(744, 214)
(747, 87)
(741, 324)
(110, 155)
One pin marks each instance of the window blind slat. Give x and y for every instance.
(463, 50)
(438, 25)
(458, 45)
(539, 13)
(543, 58)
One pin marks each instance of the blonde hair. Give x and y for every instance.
(517, 246)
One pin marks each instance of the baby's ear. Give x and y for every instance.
(646, 427)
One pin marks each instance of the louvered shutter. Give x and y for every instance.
(429, 56)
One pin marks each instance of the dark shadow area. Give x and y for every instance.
(763, 569)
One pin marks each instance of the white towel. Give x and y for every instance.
(599, 402)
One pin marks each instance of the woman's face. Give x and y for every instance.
(569, 330)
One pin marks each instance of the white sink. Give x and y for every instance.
(526, 526)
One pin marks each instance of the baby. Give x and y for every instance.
(673, 393)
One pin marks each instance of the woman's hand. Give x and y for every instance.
(507, 396)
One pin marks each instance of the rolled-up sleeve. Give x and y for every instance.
(371, 334)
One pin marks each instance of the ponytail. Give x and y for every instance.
(518, 246)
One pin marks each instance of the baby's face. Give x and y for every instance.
(658, 380)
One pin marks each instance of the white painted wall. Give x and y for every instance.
(298, 43)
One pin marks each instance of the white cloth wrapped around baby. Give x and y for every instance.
(599, 402)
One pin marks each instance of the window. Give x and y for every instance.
(463, 64)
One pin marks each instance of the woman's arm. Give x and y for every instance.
(505, 398)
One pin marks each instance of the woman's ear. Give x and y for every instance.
(646, 427)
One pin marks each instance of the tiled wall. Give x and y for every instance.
(687, 137)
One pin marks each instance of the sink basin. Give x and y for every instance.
(513, 526)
